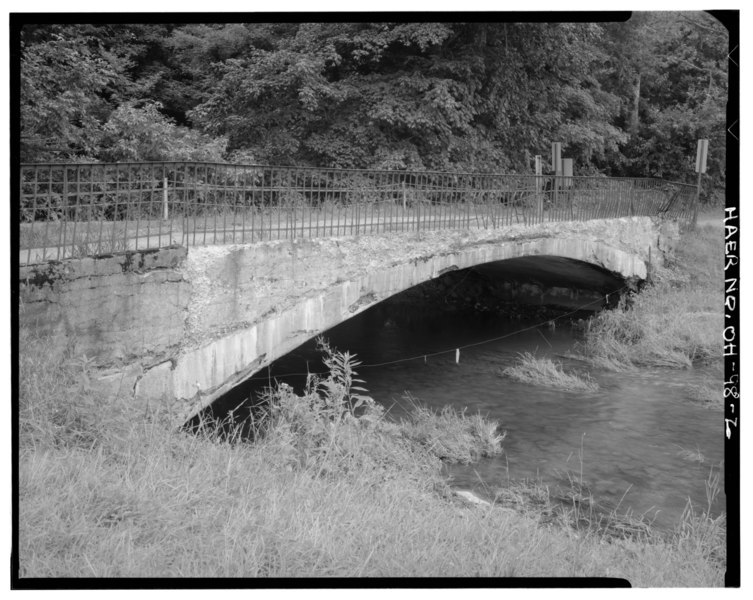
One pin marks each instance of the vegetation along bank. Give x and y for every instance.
(332, 488)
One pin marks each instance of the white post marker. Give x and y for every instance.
(567, 181)
(556, 167)
(567, 171)
(557, 157)
(701, 156)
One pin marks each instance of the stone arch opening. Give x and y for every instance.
(251, 304)
(541, 286)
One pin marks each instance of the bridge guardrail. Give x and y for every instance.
(76, 210)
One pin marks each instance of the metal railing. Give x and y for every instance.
(76, 210)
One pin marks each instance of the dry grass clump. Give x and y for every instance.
(451, 435)
(708, 394)
(573, 507)
(544, 372)
(674, 322)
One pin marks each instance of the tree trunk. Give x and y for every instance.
(634, 121)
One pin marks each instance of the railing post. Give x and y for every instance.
(418, 220)
(696, 202)
(164, 198)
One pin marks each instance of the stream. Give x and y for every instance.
(639, 442)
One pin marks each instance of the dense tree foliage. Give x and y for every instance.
(624, 98)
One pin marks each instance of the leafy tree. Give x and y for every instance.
(143, 133)
(66, 81)
(676, 64)
(419, 95)
(625, 98)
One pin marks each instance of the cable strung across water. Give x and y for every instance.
(454, 349)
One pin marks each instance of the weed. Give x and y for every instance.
(59, 407)
(335, 426)
(451, 435)
(92, 246)
(544, 372)
(698, 531)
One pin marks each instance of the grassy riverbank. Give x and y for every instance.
(321, 493)
(674, 322)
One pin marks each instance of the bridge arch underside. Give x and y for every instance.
(554, 281)
(202, 375)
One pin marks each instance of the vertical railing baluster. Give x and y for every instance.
(187, 186)
(30, 240)
(249, 199)
(148, 200)
(262, 182)
(61, 222)
(192, 194)
(163, 221)
(204, 201)
(225, 171)
(238, 205)
(91, 216)
(181, 200)
(278, 209)
(46, 240)
(28, 201)
(169, 218)
(135, 206)
(65, 203)
(307, 199)
(280, 200)
(324, 206)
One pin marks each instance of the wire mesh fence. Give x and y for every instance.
(77, 210)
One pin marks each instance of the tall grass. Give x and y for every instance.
(329, 488)
(674, 322)
(545, 372)
(452, 435)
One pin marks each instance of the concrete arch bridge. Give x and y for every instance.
(181, 326)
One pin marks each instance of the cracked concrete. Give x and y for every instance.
(117, 309)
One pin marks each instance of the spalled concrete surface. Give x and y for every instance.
(198, 323)
(115, 309)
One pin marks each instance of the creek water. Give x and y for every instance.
(639, 442)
